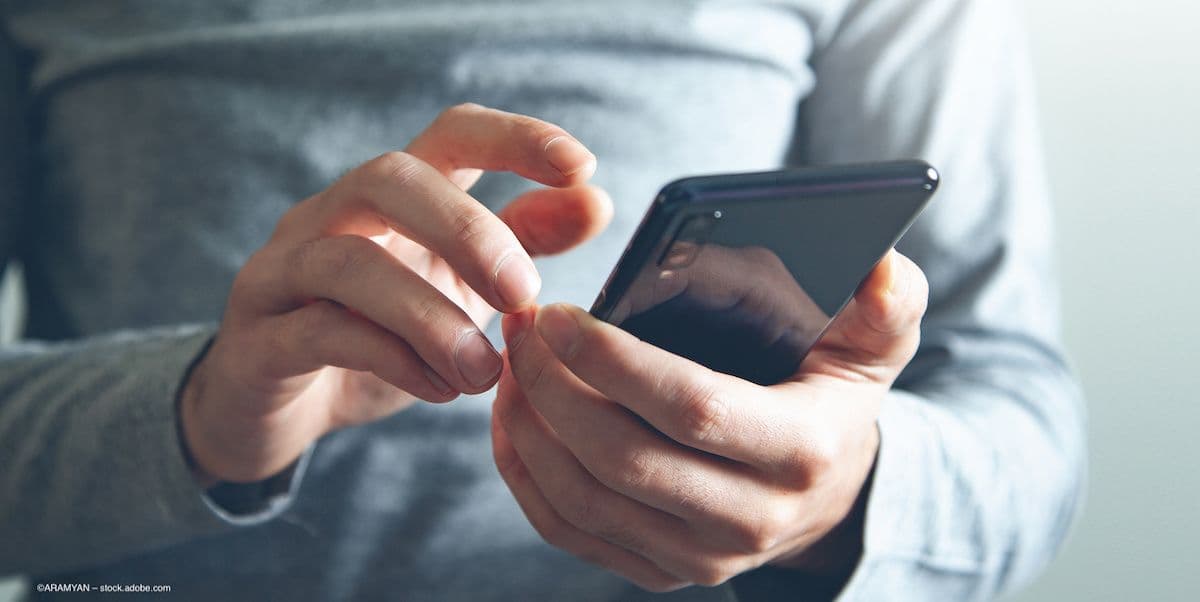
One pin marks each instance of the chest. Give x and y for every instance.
(184, 130)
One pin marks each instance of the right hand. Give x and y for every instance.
(374, 292)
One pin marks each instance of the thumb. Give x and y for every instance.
(878, 332)
(553, 220)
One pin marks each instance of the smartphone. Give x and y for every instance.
(744, 272)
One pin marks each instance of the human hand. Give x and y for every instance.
(671, 474)
(373, 292)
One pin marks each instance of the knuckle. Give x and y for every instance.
(247, 281)
(299, 262)
(824, 449)
(615, 531)
(393, 167)
(536, 377)
(812, 459)
(459, 111)
(293, 220)
(471, 224)
(635, 470)
(333, 258)
(302, 257)
(313, 322)
(752, 537)
(763, 532)
(580, 510)
(702, 412)
(621, 535)
(280, 342)
(696, 497)
(428, 313)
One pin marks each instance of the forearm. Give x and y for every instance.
(979, 474)
(93, 469)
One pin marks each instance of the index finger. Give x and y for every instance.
(468, 138)
(404, 192)
(688, 402)
(400, 192)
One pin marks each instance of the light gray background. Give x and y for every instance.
(1120, 95)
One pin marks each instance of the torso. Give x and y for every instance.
(173, 136)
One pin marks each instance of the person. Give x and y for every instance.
(256, 235)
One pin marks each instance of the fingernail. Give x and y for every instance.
(559, 329)
(517, 281)
(439, 385)
(889, 273)
(477, 361)
(516, 326)
(898, 277)
(568, 156)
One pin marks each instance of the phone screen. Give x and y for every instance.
(746, 279)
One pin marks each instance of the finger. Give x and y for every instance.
(361, 275)
(620, 451)
(467, 138)
(878, 332)
(561, 534)
(552, 220)
(581, 500)
(401, 192)
(326, 334)
(686, 401)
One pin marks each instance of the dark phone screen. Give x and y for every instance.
(746, 286)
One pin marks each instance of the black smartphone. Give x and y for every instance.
(744, 272)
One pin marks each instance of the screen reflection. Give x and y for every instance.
(736, 310)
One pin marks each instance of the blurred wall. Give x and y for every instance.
(1120, 94)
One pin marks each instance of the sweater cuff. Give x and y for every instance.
(247, 504)
(170, 481)
(239, 504)
(902, 513)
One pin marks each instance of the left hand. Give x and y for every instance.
(671, 474)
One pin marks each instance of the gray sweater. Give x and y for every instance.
(148, 147)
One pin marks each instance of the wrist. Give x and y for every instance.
(220, 445)
(225, 440)
(185, 402)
